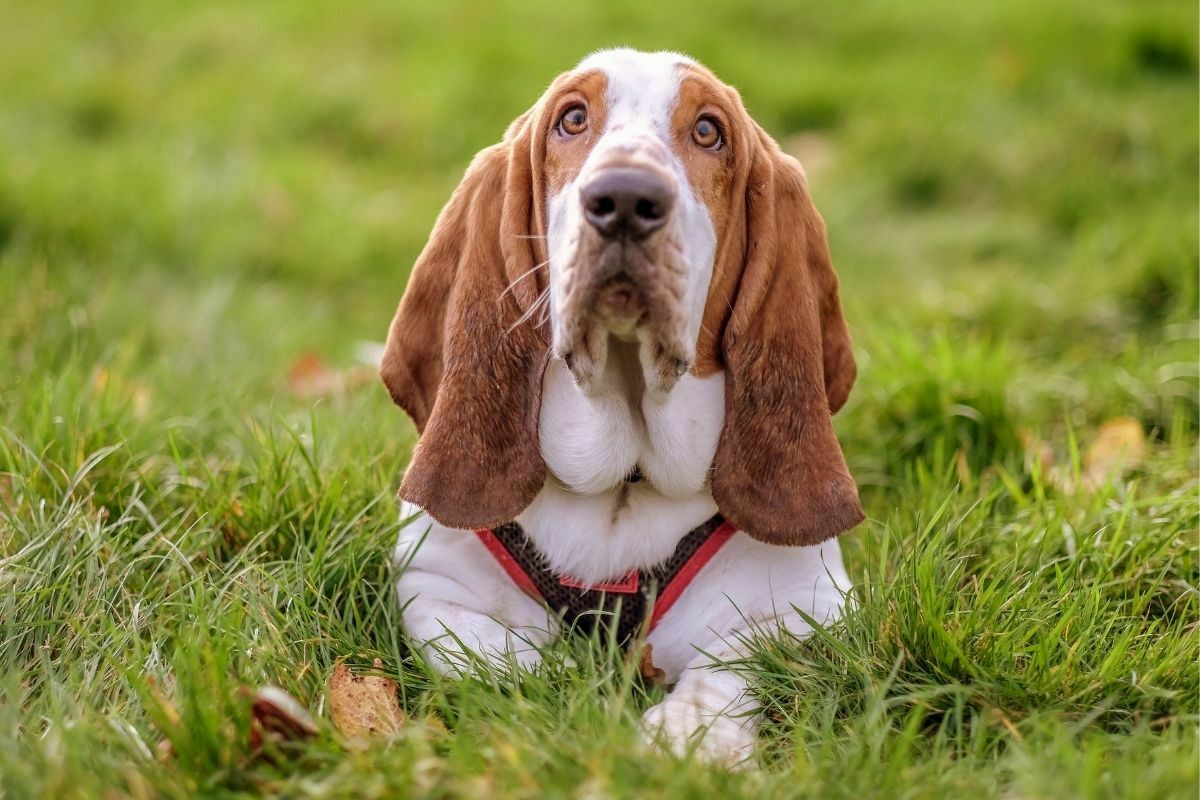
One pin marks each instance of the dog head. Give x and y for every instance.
(637, 199)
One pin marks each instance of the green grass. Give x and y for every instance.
(193, 197)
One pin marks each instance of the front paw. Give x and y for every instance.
(682, 727)
(453, 657)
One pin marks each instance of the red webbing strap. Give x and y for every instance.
(704, 553)
(627, 585)
(510, 565)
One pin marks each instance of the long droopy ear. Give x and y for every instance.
(779, 472)
(464, 357)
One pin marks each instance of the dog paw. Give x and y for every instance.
(681, 728)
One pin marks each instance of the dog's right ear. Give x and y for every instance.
(464, 356)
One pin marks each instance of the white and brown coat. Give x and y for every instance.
(540, 369)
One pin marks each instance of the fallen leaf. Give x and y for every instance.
(169, 719)
(1002, 718)
(962, 468)
(138, 395)
(6, 489)
(1037, 452)
(651, 673)
(364, 706)
(170, 714)
(277, 715)
(1119, 446)
(141, 400)
(309, 376)
(164, 751)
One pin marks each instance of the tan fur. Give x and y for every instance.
(564, 157)
(456, 360)
(772, 322)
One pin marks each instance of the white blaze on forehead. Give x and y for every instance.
(641, 93)
(641, 87)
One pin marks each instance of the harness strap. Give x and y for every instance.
(638, 601)
(492, 542)
(690, 569)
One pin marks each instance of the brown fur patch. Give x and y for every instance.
(779, 472)
(458, 359)
(469, 373)
(773, 323)
(565, 156)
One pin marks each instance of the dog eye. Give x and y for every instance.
(573, 121)
(707, 134)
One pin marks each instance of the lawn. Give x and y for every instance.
(207, 215)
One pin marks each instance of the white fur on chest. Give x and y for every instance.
(590, 523)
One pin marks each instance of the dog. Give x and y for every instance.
(623, 347)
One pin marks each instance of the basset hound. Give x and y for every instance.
(623, 347)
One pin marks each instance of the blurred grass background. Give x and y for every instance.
(197, 197)
(1017, 170)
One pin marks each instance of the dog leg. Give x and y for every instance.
(452, 637)
(710, 713)
(458, 601)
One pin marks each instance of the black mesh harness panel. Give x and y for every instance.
(634, 604)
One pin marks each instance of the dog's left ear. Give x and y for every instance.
(779, 472)
(464, 355)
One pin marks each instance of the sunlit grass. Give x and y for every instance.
(193, 198)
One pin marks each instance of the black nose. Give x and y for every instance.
(627, 203)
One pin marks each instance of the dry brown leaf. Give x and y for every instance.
(141, 400)
(1119, 446)
(962, 467)
(652, 674)
(275, 717)
(275, 713)
(364, 706)
(309, 377)
(138, 395)
(1037, 451)
(164, 703)
(164, 750)
(6, 489)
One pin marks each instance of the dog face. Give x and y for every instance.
(636, 200)
(639, 144)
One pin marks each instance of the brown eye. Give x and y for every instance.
(573, 121)
(707, 134)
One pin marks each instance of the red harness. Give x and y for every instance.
(640, 599)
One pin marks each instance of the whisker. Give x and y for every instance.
(534, 307)
(523, 319)
(522, 277)
(543, 317)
